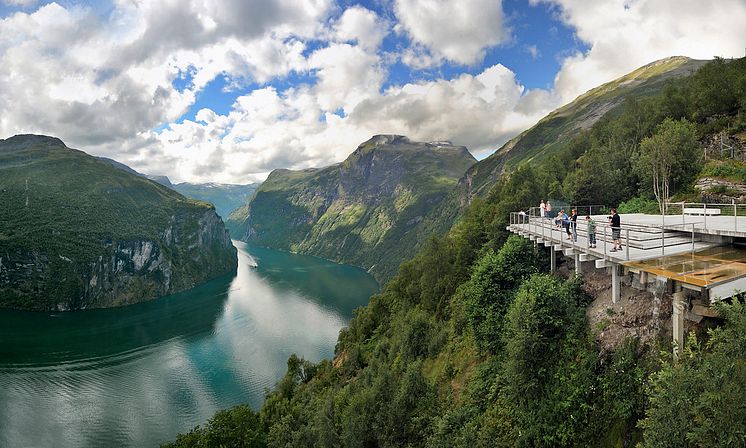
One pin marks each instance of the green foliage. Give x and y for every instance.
(665, 158)
(698, 401)
(238, 427)
(733, 170)
(490, 290)
(639, 204)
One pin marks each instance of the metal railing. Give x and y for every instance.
(709, 216)
(545, 228)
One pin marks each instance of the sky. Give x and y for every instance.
(228, 90)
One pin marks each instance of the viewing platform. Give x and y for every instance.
(697, 252)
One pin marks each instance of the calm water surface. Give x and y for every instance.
(138, 375)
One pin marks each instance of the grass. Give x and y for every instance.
(729, 169)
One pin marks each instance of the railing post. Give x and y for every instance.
(692, 239)
(626, 248)
(735, 216)
(663, 241)
(605, 242)
(683, 219)
(705, 213)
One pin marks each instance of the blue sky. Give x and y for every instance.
(227, 90)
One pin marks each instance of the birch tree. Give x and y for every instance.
(669, 157)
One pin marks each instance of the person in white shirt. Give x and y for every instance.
(543, 208)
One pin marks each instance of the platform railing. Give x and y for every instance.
(710, 215)
(545, 228)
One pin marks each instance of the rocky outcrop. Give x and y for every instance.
(126, 272)
(715, 190)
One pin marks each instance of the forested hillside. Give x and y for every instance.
(77, 232)
(473, 343)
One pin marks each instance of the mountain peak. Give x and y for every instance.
(386, 139)
(25, 140)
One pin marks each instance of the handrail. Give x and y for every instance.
(523, 218)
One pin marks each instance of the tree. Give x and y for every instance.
(666, 158)
(699, 400)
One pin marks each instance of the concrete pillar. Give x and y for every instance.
(553, 259)
(578, 264)
(616, 284)
(678, 323)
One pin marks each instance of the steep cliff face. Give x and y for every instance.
(361, 211)
(77, 233)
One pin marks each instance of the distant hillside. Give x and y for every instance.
(554, 132)
(225, 197)
(361, 211)
(556, 129)
(77, 233)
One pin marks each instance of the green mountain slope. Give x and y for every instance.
(553, 133)
(225, 197)
(361, 211)
(76, 232)
(557, 129)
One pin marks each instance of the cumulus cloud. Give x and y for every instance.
(93, 80)
(457, 31)
(106, 84)
(297, 128)
(362, 26)
(23, 3)
(624, 35)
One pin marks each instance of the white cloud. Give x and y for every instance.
(457, 31)
(624, 35)
(23, 3)
(267, 129)
(361, 26)
(94, 81)
(105, 84)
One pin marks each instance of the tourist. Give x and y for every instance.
(574, 225)
(616, 230)
(566, 224)
(558, 221)
(549, 210)
(543, 209)
(591, 232)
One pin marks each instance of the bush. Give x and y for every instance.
(639, 204)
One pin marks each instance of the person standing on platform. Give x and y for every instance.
(574, 225)
(616, 230)
(549, 210)
(543, 209)
(591, 232)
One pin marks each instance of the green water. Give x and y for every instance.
(138, 375)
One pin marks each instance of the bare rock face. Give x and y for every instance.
(76, 232)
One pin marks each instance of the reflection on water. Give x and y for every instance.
(138, 375)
